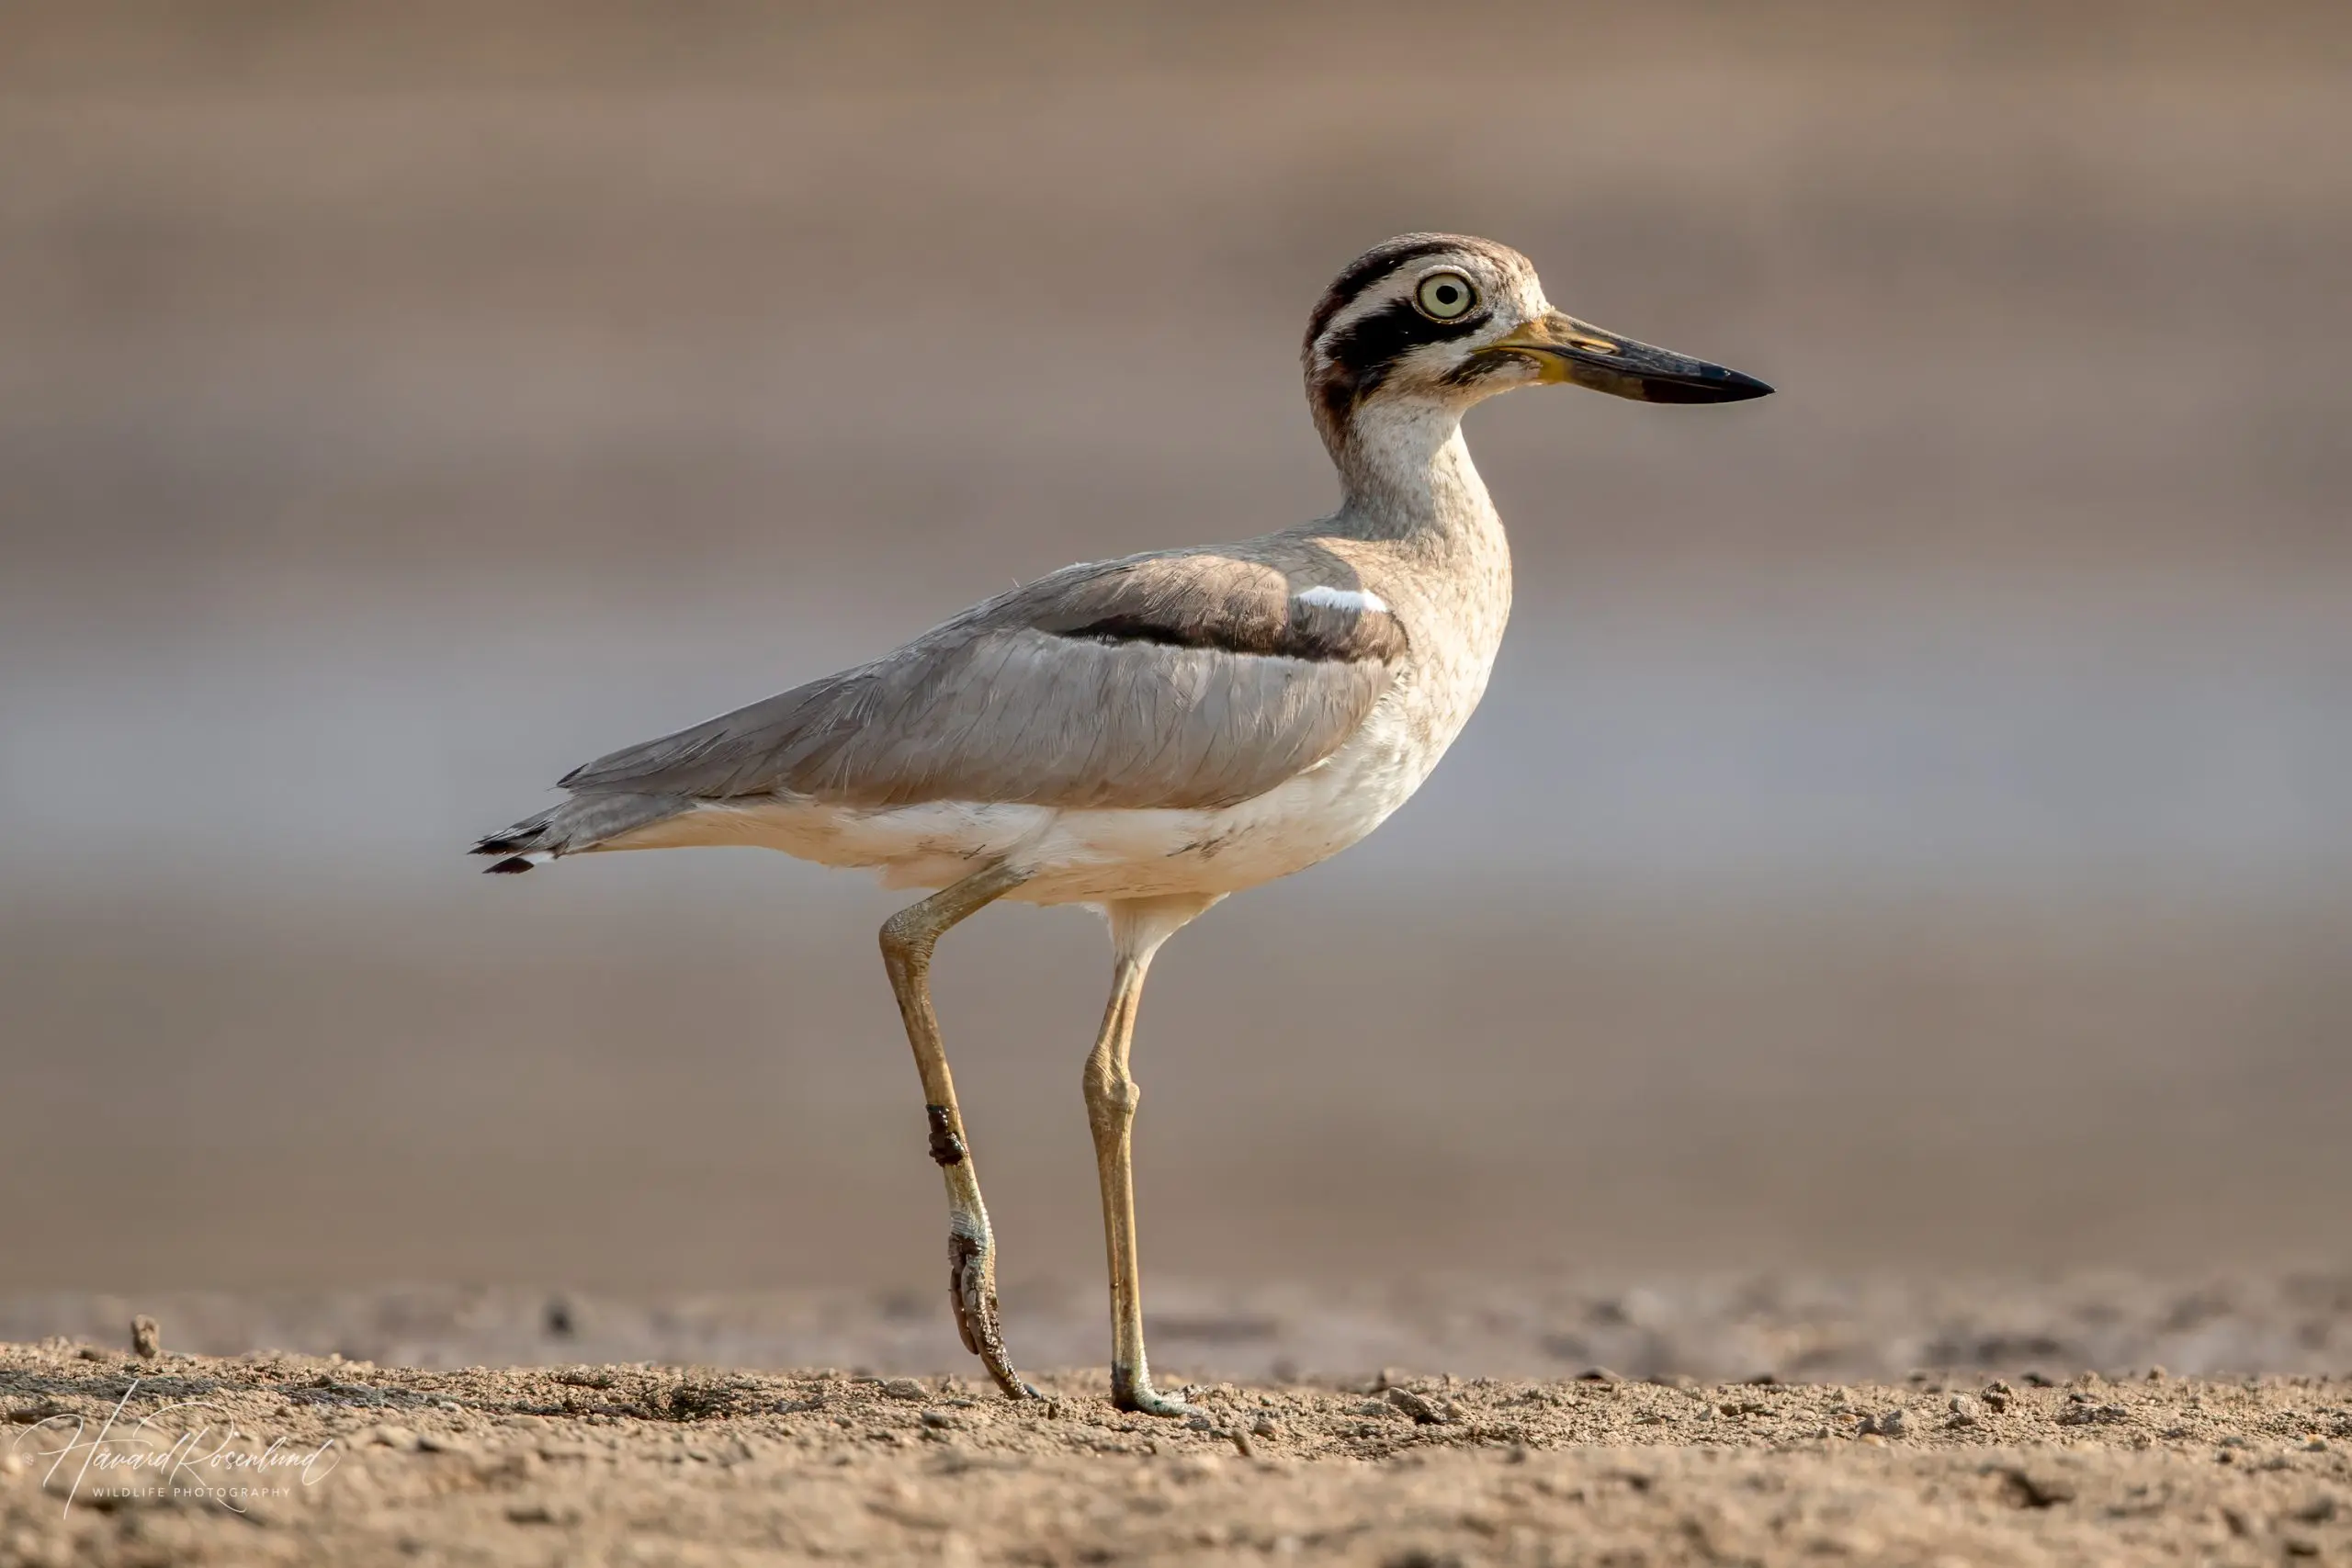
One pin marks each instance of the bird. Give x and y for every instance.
(1151, 734)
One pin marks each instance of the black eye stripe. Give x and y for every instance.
(1393, 329)
(1375, 266)
(1359, 357)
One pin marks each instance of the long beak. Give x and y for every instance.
(1571, 350)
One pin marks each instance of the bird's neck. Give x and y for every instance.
(1407, 476)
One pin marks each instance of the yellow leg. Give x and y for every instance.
(908, 938)
(1137, 928)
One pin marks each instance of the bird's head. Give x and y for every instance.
(1447, 320)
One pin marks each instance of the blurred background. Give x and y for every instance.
(1907, 828)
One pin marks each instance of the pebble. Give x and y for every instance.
(1885, 1424)
(1425, 1411)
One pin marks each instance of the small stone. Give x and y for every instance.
(1997, 1396)
(905, 1389)
(941, 1420)
(1885, 1424)
(146, 1338)
(1425, 1411)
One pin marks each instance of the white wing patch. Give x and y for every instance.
(1361, 601)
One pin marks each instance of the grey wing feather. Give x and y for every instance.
(1193, 678)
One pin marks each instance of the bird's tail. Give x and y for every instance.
(583, 823)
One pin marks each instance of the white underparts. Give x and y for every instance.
(1361, 601)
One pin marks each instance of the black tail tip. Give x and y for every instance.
(512, 866)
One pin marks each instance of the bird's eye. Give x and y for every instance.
(1442, 296)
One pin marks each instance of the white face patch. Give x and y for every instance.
(1360, 600)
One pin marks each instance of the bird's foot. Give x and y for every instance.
(971, 1292)
(1133, 1391)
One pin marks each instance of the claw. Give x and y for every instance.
(971, 1291)
(1129, 1392)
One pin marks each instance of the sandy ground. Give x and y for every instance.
(640, 1436)
(355, 1463)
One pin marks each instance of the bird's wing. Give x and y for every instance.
(1187, 679)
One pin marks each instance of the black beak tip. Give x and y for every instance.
(1716, 385)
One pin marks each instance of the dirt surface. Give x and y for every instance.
(350, 1463)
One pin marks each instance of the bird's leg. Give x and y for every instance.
(908, 938)
(1138, 929)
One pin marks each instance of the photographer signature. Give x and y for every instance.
(140, 1458)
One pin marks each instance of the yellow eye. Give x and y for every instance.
(1442, 296)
